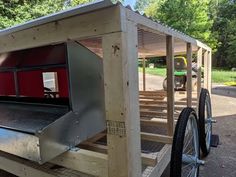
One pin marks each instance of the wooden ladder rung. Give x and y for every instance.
(156, 138)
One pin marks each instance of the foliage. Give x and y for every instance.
(224, 25)
(13, 12)
(188, 16)
(18, 11)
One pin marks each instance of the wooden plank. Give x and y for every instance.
(209, 81)
(158, 122)
(145, 113)
(159, 107)
(162, 102)
(153, 93)
(22, 169)
(205, 83)
(85, 161)
(170, 84)
(156, 97)
(156, 138)
(147, 159)
(189, 74)
(199, 72)
(79, 26)
(121, 102)
(144, 73)
(162, 162)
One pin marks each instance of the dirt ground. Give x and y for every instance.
(222, 160)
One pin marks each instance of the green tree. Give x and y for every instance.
(13, 12)
(224, 26)
(188, 16)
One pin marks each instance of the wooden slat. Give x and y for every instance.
(158, 122)
(144, 74)
(159, 107)
(199, 72)
(209, 85)
(147, 159)
(156, 138)
(163, 161)
(170, 84)
(85, 161)
(189, 74)
(205, 83)
(155, 113)
(152, 97)
(153, 93)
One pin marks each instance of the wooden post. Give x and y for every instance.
(189, 74)
(209, 85)
(170, 84)
(122, 102)
(144, 74)
(199, 71)
(205, 69)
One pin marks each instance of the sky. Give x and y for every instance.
(130, 2)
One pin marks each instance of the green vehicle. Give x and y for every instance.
(180, 74)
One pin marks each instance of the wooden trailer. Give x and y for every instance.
(140, 125)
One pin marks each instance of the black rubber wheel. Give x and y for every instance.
(183, 143)
(205, 124)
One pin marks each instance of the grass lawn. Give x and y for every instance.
(218, 76)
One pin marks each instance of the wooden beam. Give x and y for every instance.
(189, 74)
(22, 169)
(205, 83)
(145, 113)
(199, 72)
(170, 84)
(144, 74)
(80, 26)
(85, 161)
(156, 138)
(121, 102)
(163, 161)
(209, 81)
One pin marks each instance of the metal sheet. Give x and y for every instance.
(20, 144)
(28, 118)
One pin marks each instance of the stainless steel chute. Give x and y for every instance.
(42, 128)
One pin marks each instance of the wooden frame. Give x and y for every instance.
(122, 156)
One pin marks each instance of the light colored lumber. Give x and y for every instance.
(158, 122)
(189, 75)
(79, 26)
(147, 159)
(209, 81)
(199, 72)
(156, 97)
(144, 113)
(159, 107)
(85, 161)
(22, 169)
(144, 74)
(205, 82)
(121, 102)
(156, 138)
(170, 84)
(150, 93)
